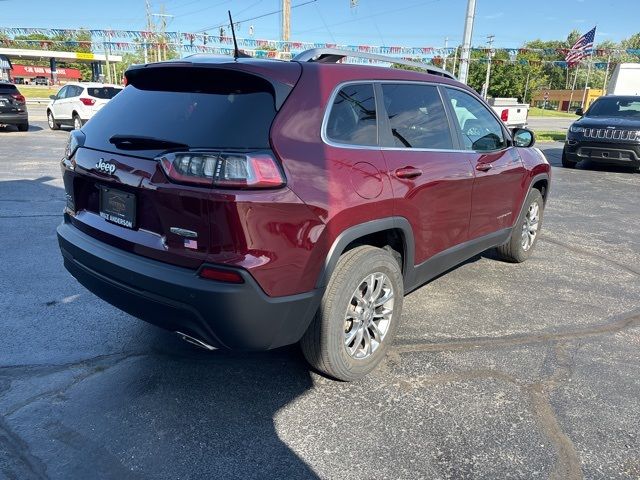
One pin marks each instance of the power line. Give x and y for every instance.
(202, 9)
(385, 12)
(254, 18)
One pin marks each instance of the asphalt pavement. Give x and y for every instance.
(550, 123)
(499, 371)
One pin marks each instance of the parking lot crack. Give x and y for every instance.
(568, 465)
(91, 368)
(584, 252)
(18, 454)
(616, 324)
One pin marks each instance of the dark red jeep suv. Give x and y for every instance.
(250, 204)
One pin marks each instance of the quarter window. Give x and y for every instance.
(481, 131)
(417, 116)
(352, 119)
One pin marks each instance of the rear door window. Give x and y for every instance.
(352, 118)
(200, 107)
(417, 116)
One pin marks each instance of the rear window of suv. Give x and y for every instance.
(200, 107)
(7, 88)
(106, 93)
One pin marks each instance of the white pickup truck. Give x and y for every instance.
(512, 113)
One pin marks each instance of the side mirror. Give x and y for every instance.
(523, 137)
(579, 111)
(53, 97)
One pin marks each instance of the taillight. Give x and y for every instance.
(225, 170)
(20, 98)
(75, 141)
(88, 101)
(504, 115)
(221, 275)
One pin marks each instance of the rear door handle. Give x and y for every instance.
(408, 172)
(483, 167)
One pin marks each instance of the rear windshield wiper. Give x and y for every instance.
(137, 142)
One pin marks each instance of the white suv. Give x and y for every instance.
(76, 103)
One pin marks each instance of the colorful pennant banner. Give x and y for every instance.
(132, 40)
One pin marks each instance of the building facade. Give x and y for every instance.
(565, 100)
(27, 73)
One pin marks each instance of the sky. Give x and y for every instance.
(414, 23)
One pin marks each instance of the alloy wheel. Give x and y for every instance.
(368, 315)
(530, 226)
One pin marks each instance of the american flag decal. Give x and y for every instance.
(582, 48)
(190, 243)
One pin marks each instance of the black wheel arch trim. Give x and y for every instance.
(358, 231)
(545, 195)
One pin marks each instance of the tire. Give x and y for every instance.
(326, 345)
(23, 127)
(518, 249)
(52, 121)
(566, 163)
(77, 122)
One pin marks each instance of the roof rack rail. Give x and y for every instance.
(334, 55)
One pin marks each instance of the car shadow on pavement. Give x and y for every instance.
(14, 129)
(216, 411)
(110, 396)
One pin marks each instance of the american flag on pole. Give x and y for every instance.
(582, 48)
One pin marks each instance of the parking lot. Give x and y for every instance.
(499, 371)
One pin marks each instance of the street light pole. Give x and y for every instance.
(466, 41)
(485, 87)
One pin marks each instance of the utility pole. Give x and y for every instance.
(485, 87)
(466, 41)
(162, 31)
(446, 53)
(106, 47)
(455, 61)
(149, 29)
(286, 20)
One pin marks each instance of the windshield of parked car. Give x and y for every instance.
(625, 107)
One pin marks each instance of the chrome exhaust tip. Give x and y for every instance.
(195, 341)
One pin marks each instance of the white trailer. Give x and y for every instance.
(625, 80)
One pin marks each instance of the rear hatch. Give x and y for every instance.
(11, 101)
(124, 188)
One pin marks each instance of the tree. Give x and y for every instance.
(633, 42)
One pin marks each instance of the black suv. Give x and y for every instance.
(608, 132)
(13, 107)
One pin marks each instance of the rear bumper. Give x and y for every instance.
(602, 152)
(14, 118)
(236, 316)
